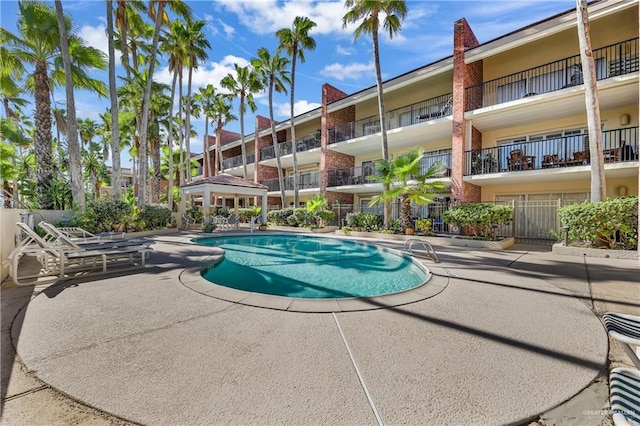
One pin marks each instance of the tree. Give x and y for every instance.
(75, 166)
(39, 45)
(406, 180)
(206, 98)
(243, 86)
(222, 115)
(295, 41)
(196, 44)
(272, 72)
(367, 12)
(598, 185)
(116, 174)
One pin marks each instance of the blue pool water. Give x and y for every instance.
(310, 267)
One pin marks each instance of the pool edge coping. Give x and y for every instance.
(438, 280)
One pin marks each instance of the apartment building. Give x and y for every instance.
(506, 118)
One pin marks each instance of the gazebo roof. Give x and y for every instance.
(226, 180)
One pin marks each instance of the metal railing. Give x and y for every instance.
(230, 163)
(305, 181)
(566, 151)
(610, 61)
(304, 143)
(429, 109)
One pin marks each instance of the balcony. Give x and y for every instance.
(230, 163)
(408, 115)
(360, 175)
(305, 181)
(610, 61)
(561, 152)
(305, 143)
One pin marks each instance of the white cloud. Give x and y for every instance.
(347, 51)
(210, 73)
(268, 16)
(300, 107)
(353, 71)
(228, 29)
(97, 37)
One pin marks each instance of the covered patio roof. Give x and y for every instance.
(225, 185)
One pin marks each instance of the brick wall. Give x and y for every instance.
(341, 196)
(331, 160)
(463, 76)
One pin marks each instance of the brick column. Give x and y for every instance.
(331, 160)
(464, 76)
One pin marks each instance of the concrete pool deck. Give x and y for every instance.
(511, 336)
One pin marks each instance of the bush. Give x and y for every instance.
(105, 212)
(155, 216)
(299, 217)
(483, 220)
(279, 217)
(248, 213)
(612, 224)
(423, 225)
(365, 221)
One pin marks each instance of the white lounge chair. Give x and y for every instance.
(625, 329)
(57, 237)
(624, 395)
(61, 261)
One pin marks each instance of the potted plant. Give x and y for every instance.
(263, 227)
(209, 227)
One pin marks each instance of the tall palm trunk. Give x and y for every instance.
(181, 132)
(276, 145)
(43, 136)
(218, 145)
(206, 158)
(157, 173)
(242, 146)
(293, 129)
(75, 161)
(187, 126)
(116, 172)
(598, 185)
(170, 144)
(146, 105)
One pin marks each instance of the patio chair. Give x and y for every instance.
(624, 395)
(59, 260)
(233, 222)
(186, 221)
(550, 160)
(57, 237)
(626, 330)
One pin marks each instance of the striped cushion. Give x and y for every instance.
(624, 393)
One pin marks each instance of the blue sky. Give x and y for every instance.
(237, 28)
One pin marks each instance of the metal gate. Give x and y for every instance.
(534, 221)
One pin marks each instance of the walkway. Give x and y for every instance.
(505, 341)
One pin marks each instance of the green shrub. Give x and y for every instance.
(365, 220)
(279, 217)
(423, 225)
(155, 216)
(483, 220)
(612, 224)
(105, 212)
(249, 212)
(299, 217)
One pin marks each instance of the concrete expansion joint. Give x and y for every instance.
(25, 393)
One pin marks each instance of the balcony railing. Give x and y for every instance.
(430, 109)
(610, 61)
(230, 163)
(360, 175)
(303, 144)
(567, 151)
(305, 181)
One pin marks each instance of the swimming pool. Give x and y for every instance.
(310, 267)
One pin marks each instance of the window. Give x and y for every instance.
(405, 119)
(547, 82)
(371, 128)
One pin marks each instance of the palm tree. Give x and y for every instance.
(88, 129)
(222, 115)
(406, 180)
(39, 45)
(116, 175)
(159, 15)
(172, 43)
(243, 85)
(598, 184)
(367, 12)
(206, 97)
(197, 44)
(295, 41)
(75, 166)
(272, 72)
